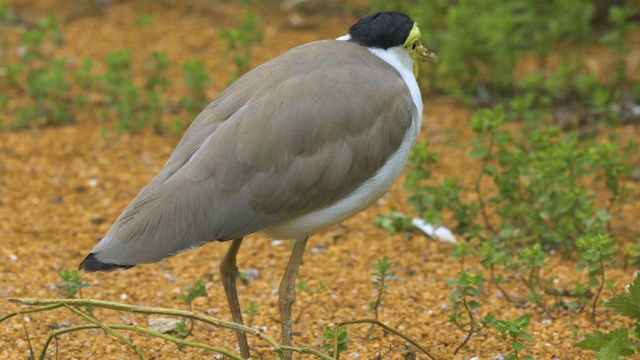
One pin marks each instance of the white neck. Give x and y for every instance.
(398, 58)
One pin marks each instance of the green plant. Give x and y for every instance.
(530, 261)
(181, 329)
(144, 20)
(540, 193)
(420, 159)
(486, 41)
(240, 40)
(464, 298)
(251, 310)
(513, 329)
(381, 274)
(523, 26)
(71, 284)
(621, 341)
(133, 106)
(431, 201)
(594, 252)
(304, 287)
(395, 222)
(195, 77)
(632, 252)
(6, 15)
(37, 74)
(119, 90)
(620, 17)
(242, 276)
(331, 346)
(193, 292)
(492, 255)
(48, 87)
(463, 250)
(157, 80)
(46, 29)
(85, 79)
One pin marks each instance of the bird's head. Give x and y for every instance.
(385, 30)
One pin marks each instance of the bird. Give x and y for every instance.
(298, 144)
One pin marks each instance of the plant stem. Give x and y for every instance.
(597, 295)
(493, 280)
(28, 311)
(483, 209)
(386, 327)
(531, 287)
(472, 323)
(71, 304)
(379, 299)
(139, 329)
(26, 333)
(107, 329)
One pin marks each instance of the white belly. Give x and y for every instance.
(372, 189)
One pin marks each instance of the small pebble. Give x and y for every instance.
(251, 274)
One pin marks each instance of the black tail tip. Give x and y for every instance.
(91, 264)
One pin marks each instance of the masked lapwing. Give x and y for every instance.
(300, 143)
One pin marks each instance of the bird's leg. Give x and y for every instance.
(229, 272)
(287, 291)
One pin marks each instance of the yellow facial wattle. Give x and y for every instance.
(417, 51)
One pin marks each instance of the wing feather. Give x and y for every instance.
(258, 155)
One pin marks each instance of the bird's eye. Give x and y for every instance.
(413, 46)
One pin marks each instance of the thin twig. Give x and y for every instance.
(304, 308)
(306, 350)
(539, 304)
(597, 295)
(47, 304)
(472, 321)
(107, 329)
(389, 329)
(139, 329)
(466, 339)
(28, 311)
(495, 282)
(26, 333)
(483, 208)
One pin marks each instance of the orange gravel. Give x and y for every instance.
(61, 188)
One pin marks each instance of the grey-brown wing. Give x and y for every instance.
(275, 144)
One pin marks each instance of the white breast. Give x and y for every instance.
(372, 189)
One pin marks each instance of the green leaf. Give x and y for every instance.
(526, 336)
(517, 346)
(197, 290)
(479, 152)
(611, 351)
(452, 282)
(523, 321)
(598, 341)
(500, 325)
(628, 304)
(490, 170)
